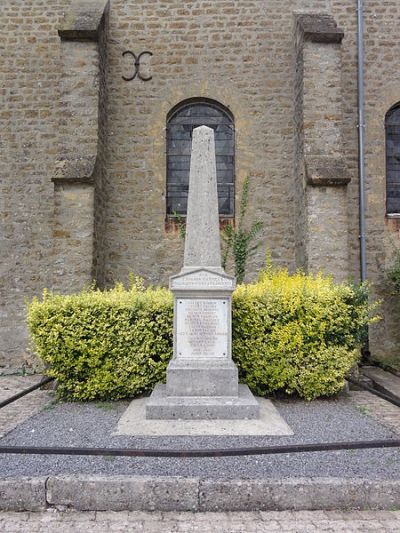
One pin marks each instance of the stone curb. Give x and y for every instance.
(23, 494)
(126, 493)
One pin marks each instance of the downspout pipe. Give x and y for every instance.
(361, 137)
(361, 157)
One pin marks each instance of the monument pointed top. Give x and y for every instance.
(202, 242)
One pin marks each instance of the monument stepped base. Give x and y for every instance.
(160, 406)
(207, 377)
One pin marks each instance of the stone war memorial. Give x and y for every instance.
(202, 380)
(202, 395)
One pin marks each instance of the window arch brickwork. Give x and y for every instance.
(392, 127)
(180, 123)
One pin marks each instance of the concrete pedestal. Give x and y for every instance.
(241, 406)
(202, 378)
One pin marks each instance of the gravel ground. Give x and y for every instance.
(92, 425)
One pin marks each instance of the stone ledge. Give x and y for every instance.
(75, 170)
(383, 381)
(326, 171)
(319, 28)
(83, 21)
(71, 181)
(129, 493)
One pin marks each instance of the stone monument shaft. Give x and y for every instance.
(202, 380)
(202, 241)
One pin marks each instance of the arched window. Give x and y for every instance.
(392, 126)
(181, 121)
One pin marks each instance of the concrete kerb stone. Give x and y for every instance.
(23, 494)
(298, 494)
(123, 493)
(127, 493)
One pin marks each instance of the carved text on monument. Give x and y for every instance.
(202, 330)
(201, 279)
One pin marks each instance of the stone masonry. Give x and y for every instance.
(83, 177)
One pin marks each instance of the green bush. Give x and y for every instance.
(296, 333)
(104, 345)
(300, 334)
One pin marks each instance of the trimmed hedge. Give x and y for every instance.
(300, 334)
(104, 345)
(296, 333)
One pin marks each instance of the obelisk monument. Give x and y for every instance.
(202, 380)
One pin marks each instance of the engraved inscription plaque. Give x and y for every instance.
(202, 328)
(202, 279)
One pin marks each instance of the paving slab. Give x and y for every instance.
(119, 493)
(17, 412)
(298, 494)
(187, 522)
(387, 413)
(133, 422)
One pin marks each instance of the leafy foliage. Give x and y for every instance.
(300, 334)
(239, 241)
(296, 333)
(181, 223)
(104, 345)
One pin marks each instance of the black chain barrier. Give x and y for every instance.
(225, 452)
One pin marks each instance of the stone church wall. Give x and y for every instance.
(29, 114)
(83, 177)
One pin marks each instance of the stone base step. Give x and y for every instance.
(163, 407)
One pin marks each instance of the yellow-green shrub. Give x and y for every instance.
(104, 345)
(297, 333)
(300, 334)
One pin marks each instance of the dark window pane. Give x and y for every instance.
(392, 124)
(179, 144)
(393, 117)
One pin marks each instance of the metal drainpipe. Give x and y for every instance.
(361, 135)
(361, 158)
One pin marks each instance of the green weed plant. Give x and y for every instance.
(238, 242)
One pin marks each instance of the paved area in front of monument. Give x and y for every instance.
(251, 522)
(94, 424)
